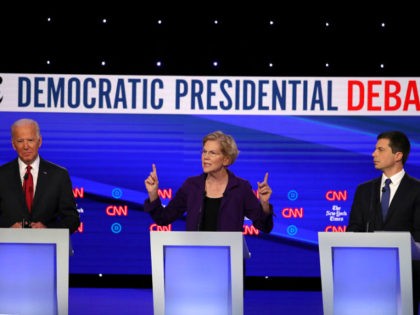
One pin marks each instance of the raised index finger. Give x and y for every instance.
(266, 178)
(154, 169)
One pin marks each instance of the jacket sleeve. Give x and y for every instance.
(164, 215)
(66, 214)
(357, 221)
(254, 211)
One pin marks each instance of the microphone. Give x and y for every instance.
(26, 224)
(25, 177)
(383, 189)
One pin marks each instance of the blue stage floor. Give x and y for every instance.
(106, 301)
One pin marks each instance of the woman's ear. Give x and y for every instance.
(226, 161)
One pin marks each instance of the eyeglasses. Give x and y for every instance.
(211, 154)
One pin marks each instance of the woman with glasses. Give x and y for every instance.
(216, 200)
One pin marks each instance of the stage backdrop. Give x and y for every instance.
(314, 136)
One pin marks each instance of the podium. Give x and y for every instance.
(367, 273)
(34, 271)
(197, 272)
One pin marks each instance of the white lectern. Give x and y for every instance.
(197, 272)
(34, 271)
(366, 273)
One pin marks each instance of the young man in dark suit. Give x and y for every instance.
(52, 202)
(367, 214)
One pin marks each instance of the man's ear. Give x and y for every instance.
(398, 156)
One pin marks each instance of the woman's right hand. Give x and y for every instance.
(152, 184)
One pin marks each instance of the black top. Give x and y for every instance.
(210, 214)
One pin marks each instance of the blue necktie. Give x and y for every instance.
(386, 192)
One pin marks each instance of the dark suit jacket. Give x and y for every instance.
(54, 203)
(238, 201)
(403, 213)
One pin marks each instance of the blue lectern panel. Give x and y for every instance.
(197, 280)
(28, 279)
(366, 281)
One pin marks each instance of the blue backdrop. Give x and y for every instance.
(314, 165)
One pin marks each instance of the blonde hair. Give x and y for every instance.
(227, 143)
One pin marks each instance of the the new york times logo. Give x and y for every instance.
(1, 93)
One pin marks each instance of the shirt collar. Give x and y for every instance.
(396, 178)
(34, 164)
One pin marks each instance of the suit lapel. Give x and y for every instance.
(41, 184)
(377, 196)
(398, 196)
(17, 182)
